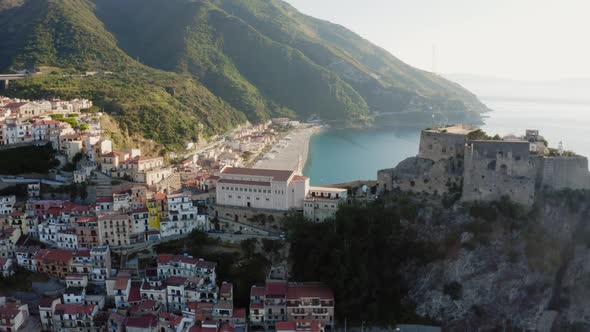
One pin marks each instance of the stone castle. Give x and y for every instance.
(463, 158)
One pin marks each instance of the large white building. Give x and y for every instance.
(261, 188)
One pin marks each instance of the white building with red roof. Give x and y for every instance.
(186, 266)
(119, 288)
(70, 317)
(8, 238)
(6, 267)
(301, 303)
(13, 315)
(261, 189)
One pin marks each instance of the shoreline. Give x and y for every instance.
(287, 152)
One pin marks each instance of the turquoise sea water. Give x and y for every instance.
(337, 156)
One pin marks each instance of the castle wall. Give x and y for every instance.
(497, 168)
(423, 175)
(562, 172)
(436, 145)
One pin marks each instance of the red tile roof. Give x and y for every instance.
(257, 291)
(82, 253)
(276, 289)
(309, 290)
(9, 311)
(140, 210)
(276, 175)
(86, 219)
(256, 305)
(46, 302)
(81, 208)
(225, 327)
(104, 200)
(144, 322)
(146, 305)
(240, 313)
(74, 309)
(55, 255)
(14, 105)
(135, 294)
(3, 261)
(54, 211)
(226, 288)
(121, 283)
(176, 281)
(285, 326)
(159, 196)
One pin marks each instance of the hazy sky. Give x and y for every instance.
(519, 39)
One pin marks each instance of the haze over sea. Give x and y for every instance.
(337, 156)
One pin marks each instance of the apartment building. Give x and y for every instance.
(281, 301)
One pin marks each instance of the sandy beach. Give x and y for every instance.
(286, 153)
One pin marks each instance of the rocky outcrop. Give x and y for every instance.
(504, 270)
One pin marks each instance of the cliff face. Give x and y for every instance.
(503, 268)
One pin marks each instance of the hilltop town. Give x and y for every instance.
(124, 204)
(95, 222)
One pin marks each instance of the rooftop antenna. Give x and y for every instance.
(560, 148)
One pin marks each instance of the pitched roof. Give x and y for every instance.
(140, 210)
(276, 288)
(9, 311)
(239, 313)
(135, 294)
(176, 281)
(276, 175)
(104, 200)
(226, 288)
(199, 263)
(56, 255)
(73, 309)
(46, 302)
(308, 290)
(121, 283)
(3, 261)
(285, 326)
(144, 322)
(257, 291)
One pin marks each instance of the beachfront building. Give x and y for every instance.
(261, 189)
(321, 203)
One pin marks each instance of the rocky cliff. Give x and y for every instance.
(504, 268)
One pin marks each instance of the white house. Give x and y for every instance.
(6, 267)
(7, 204)
(322, 203)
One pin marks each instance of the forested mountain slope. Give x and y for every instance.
(193, 68)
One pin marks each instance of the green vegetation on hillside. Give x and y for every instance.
(183, 70)
(27, 159)
(360, 255)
